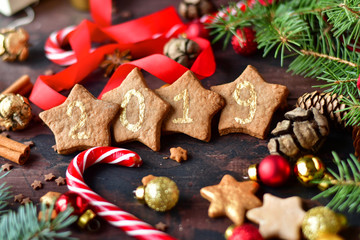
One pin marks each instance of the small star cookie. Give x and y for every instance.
(250, 104)
(178, 154)
(81, 122)
(141, 112)
(278, 217)
(231, 198)
(26, 201)
(193, 107)
(49, 177)
(19, 198)
(60, 181)
(6, 167)
(36, 185)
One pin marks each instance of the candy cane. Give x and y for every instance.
(111, 213)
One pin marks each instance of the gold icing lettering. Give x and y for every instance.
(250, 102)
(74, 132)
(184, 95)
(123, 119)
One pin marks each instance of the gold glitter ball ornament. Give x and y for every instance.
(320, 220)
(329, 236)
(15, 111)
(309, 168)
(160, 194)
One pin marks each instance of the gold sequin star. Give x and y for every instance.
(231, 198)
(278, 217)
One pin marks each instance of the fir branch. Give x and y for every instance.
(4, 194)
(24, 224)
(332, 58)
(345, 187)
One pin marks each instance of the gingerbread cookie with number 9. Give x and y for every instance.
(193, 107)
(81, 122)
(250, 104)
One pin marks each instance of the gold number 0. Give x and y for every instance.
(74, 132)
(186, 99)
(123, 119)
(250, 102)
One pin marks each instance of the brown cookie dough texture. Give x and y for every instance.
(141, 113)
(250, 104)
(81, 122)
(193, 107)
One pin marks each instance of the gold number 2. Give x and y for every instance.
(186, 102)
(74, 132)
(123, 119)
(250, 102)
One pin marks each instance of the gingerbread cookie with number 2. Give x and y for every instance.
(250, 104)
(81, 122)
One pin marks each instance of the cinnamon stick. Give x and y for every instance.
(13, 150)
(21, 86)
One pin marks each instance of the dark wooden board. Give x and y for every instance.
(230, 154)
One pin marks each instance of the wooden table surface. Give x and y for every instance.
(208, 163)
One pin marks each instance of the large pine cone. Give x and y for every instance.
(328, 104)
(303, 133)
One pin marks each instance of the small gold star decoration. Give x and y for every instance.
(25, 201)
(231, 198)
(49, 177)
(278, 218)
(113, 60)
(6, 167)
(19, 198)
(36, 185)
(60, 181)
(178, 154)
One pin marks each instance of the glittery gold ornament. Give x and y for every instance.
(329, 236)
(15, 111)
(229, 231)
(14, 44)
(160, 194)
(309, 168)
(320, 220)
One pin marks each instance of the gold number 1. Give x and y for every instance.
(186, 102)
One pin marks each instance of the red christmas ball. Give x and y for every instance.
(246, 232)
(196, 29)
(274, 170)
(71, 199)
(244, 41)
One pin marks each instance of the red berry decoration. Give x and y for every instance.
(71, 199)
(246, 232)
(196, 29)
(274, 170)
(244, 43)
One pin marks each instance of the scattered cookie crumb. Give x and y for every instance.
(4, 134)
(178, 154)
(48, 72)
(165, 157)
(29, 143)
(25, 201)
(36, 185)
(54, 147)
(19, 198)
(125, 14)
(145, 180)
(161, 226)
(6, 167)
(60, 181)
(49, 177)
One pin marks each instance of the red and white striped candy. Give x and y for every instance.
(110, 212)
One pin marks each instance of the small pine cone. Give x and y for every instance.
(192, 9)
(327, 104)
(356, 141)
(14, 44)
(182, 50)
(303, 132)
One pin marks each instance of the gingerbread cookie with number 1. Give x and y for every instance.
(250, 104)
(81, 122)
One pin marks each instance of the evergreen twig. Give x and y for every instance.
(345, 187)
(4, 194)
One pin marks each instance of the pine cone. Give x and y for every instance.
(14, 44)
(356, 141)
(303, 133)
(328, 104)
(191, 9)
(182, 50)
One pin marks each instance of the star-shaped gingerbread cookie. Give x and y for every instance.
(278, 217)
(81, 122)
(178, 154)
(231, 198)
(141, 113)
(192, 107)
(250, 104)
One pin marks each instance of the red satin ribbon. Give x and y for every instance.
(145, 37)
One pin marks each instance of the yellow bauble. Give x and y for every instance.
(329, 236)
(320, 220)
(309, 168)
